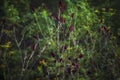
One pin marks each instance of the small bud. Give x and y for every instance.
(57, 18)
(64, 47)
(61, 4)
(51, 16)
(61, 60)
(80, 56)
(72, 15)
(78, 7)
(89, 72)
(62, 20)
(71, 28)
(52, 54)
(35, 37)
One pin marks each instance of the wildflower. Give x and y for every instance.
(69, 70)
(80, 56)
(33, 8)
(111, 9)
(103, 9)
(12, 52)
(39, 68)
(96, 11)
(52, 54)
(64, 47)
(61, 60)
(71, 28)
(55, 61)
(101, 20)
(69, 48)
(69, 58)
(62, 20)
(78, 7)
(42, 62)
(7, 45)
(51, 16)
(107, 29)
(89, 72)
(72, 15)
(28, 43)
(57, 18)
(61, 4)
(75, 67)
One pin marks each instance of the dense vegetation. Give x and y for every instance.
(59, 40)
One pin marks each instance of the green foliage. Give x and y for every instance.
(71, 44)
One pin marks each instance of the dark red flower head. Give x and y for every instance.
(33, 8)
(89, 72)
(72, 15)
(51, 16)
(69, 70)
(61, 60)
(80, 56)
(57, 18)
(78, 7)
(64, 47)
(62, 20)
(52, 54)
(71, 28)
(61, 4)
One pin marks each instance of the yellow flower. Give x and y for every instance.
(103, 9)
(6, 45)
(111, 9)
(55, 79)
(12, 52)
(96, 11)
(42, 62)
(7, 31)
(39, 68)
(69, 48)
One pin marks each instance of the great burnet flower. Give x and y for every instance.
(71, 27)
(61, 6)
(69, 70)
(6, 45)
(80, 56)
(62, 20)
(61, 60)
(78, 7)
(72, 15)
(42, 62)
(89, 72)
(64, 47)
(52, 54)
(51, 16)
(75, 67)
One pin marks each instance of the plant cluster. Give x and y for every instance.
(71, 44)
